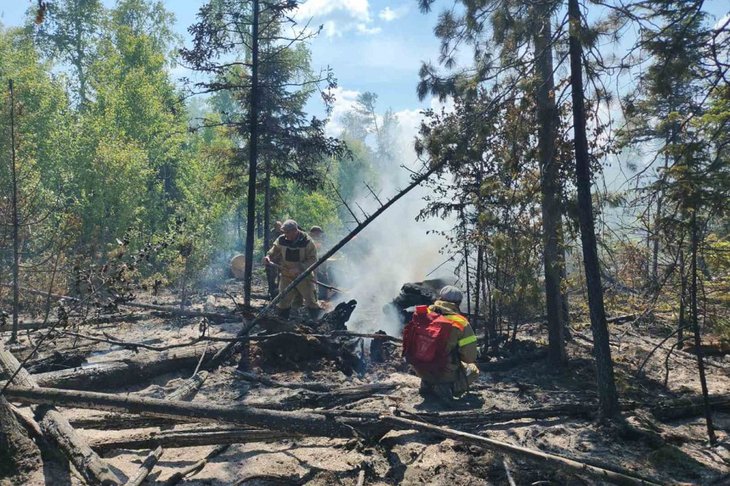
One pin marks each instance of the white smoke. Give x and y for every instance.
(395, 248)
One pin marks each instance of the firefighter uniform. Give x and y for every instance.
(294, 257)
(460, 369)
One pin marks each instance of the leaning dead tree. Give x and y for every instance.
(231, 348)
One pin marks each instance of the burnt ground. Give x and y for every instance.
(670, 452)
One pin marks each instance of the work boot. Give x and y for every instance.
(314, 313)
(442, 392)
(425, 390)
(284, 313)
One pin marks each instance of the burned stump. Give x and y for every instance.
(337, 318)
(291, 350)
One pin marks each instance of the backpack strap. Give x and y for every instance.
(457, 321)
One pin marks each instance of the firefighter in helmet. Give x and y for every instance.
(451, 378)
(293, 252)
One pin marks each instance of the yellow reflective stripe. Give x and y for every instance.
(467, 340)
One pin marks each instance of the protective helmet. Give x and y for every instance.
(451, 294)
(289, 225)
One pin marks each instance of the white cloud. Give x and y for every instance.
(364, 29)
(339, 17)
(356, 9)
(388, 14)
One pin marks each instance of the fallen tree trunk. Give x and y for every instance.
(189, 388)
(116, 374)
(543, 458)
(117, 421)
(457, 418)
(689, 407)
(332, 398)
(478, 417)
(145, 468)
(295, 422)
(200, 436)
(73, 322)
(176, 311)
(121, 421)
(55, 426)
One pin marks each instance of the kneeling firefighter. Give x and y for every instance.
(441, 346)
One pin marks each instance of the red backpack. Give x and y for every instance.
(424, 341)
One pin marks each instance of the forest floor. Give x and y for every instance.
(670, 452)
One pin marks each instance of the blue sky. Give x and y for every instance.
(372, 45)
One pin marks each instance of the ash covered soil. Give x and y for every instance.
(669, 452)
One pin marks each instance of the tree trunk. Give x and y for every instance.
(686, 407)
(253, 154)
(16, 219)
(549, 181)
(696, 330)
(477, 290)
(682, 299)
(607, 396)
(563, 289)
(267, 206)
(293, 422)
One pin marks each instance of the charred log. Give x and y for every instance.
(412, 294)
(200, 436)
(689, 407)
(56, 361)
(294, 422)
(117, 374)
(333, 398)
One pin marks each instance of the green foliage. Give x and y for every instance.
(69, 34)
(40, 139)
(309, 208)
(120, 165)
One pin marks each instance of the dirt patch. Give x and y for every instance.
(668, 452)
